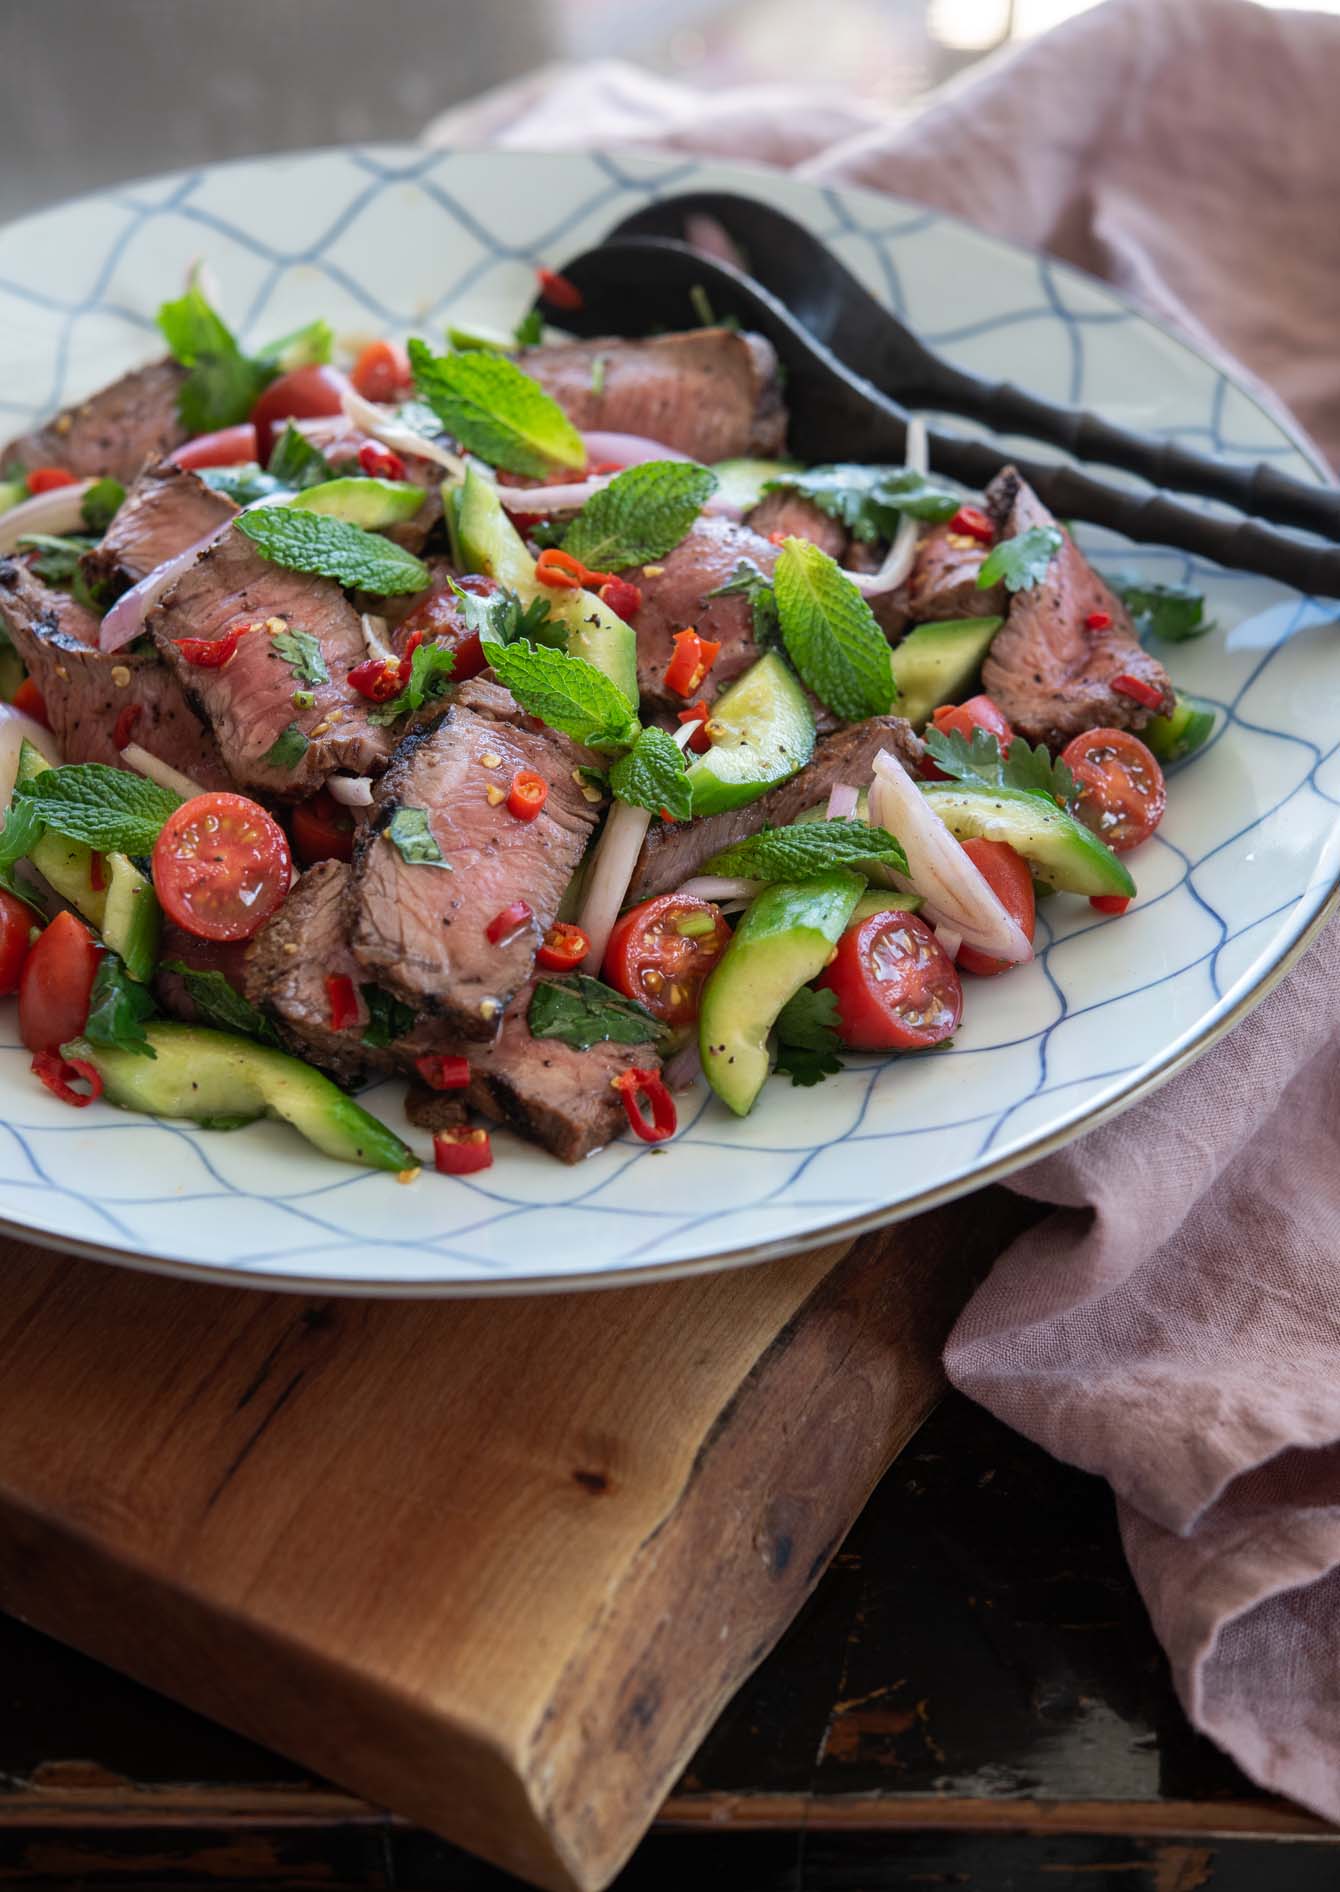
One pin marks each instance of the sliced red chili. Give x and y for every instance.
(662, 1120)
(777, 538)
(693, 658)
(508, 922)
(1139, 691)
(623, 598)
(557, 291)
(442, 1073)
(378, 679)
(211, 653)
(1109, 902)
(343, 1001)
(557, 568)
(1098, 621)
(565, 946)
(97, 879)
(527, 795)
(973, 523)
(406, 668)
(700, 742)
(461, 1152)
(45, 479)
(379, 463)
(127, 717)
(28, 698)
(59, 1075)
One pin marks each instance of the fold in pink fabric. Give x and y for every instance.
(1174, 1324)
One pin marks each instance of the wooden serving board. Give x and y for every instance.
(495, 1564)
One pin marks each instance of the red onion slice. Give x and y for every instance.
(948, 938)
(721, 887)
(573, 495)
(15, 730)
(355, 791)
(163, 773)
(387, 427)
(843, 801)
(627, 449)
(58, 512)
(124, 622)
(902, 552)
(611, 870)
(684, 1067)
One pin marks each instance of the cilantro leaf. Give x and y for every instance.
(430, 671)
(296, 463)
(100, 504)
(529, 330)
(57, 558)
(409, 832)
(830, 633)
(642, 514)
(567, 693)
(288, 748)
(980, 763)
(809, 847)
(582, 1012)
(332, 548)
(807, 1037)
(241, 484)
(221, 1005)
(302, 654)
(107, 809)
(388, 1018)
(117, 1009)
(1173, 613)
(652, 775)
(748, 581)
(1021, 562)
(499, 617)
(869, 500)
(496, 411)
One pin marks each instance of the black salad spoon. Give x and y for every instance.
(826, 298)
(646, 285)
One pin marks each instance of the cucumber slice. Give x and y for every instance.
(938, 663)
(1061, 851)
(485, 540)
(12, 493)
(762, 731)
(372, 504)
(870, 904)
(785, 939)
(1173, 738)
(741, 482)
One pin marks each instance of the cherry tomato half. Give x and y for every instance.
(895, 985)
(439, 619)
(304, 394)
(230, 446)
(221, 866)
(979, 712)
(382, 371)
(28, 698)
(1121, 790)
(323, 830)
(1009, 878)
(16, 922)
(55, 984)
(661, 952)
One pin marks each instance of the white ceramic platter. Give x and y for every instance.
(1245, 863)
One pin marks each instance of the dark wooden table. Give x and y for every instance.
(972, 1699)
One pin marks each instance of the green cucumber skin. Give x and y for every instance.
(204, 1076)
(938, 662)
(1174, 738)
(742, 481)
(784, 940)
(370, 503)
(1060, 850)
(786, 732)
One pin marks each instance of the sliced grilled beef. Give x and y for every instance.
(166, 511)
(225, 956)
(90, 694)
(674, 852)
(943, 581)
(420, 930)
(435, 1110)
(788, 516)
(248, 701)
(559, 1097)
(711, 393)
(1048, 670)
(117, 431)
(676, 596)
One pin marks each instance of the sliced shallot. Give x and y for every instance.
(386, 426)
(355, 791)
(15, 730)
(143, 763)
(612, 867)
(843, 801)
(948, 938)
(721, 887)
(684, 1067)
(57, 512)
(374, 637)
(902, 550)
(623, 450)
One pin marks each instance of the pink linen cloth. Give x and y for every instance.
(1174, 1324)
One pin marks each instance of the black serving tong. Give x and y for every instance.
(826, 298)
(645, 285)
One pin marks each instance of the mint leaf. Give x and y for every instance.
(219, 1004)
(869, 500)
(57, 558)
(23, 829)
(242, 484)
(810, 847)
(830, 633)
(582, 1012)
(409, 831)
(652, 776)
(529, 330)
(310, 346)
(117, 1009)
(981, 764)
(332, 548)
(748, 581)
(100, 504)
(641, 515)
(107, 809)
(296, 463)
(288, 749)
(388, 1017)
(567, 693)
(302, 654)
(1173, 613)
(496, 411)
(807, 1037)
(430, 671)
(1021, 562)
(499, 617)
